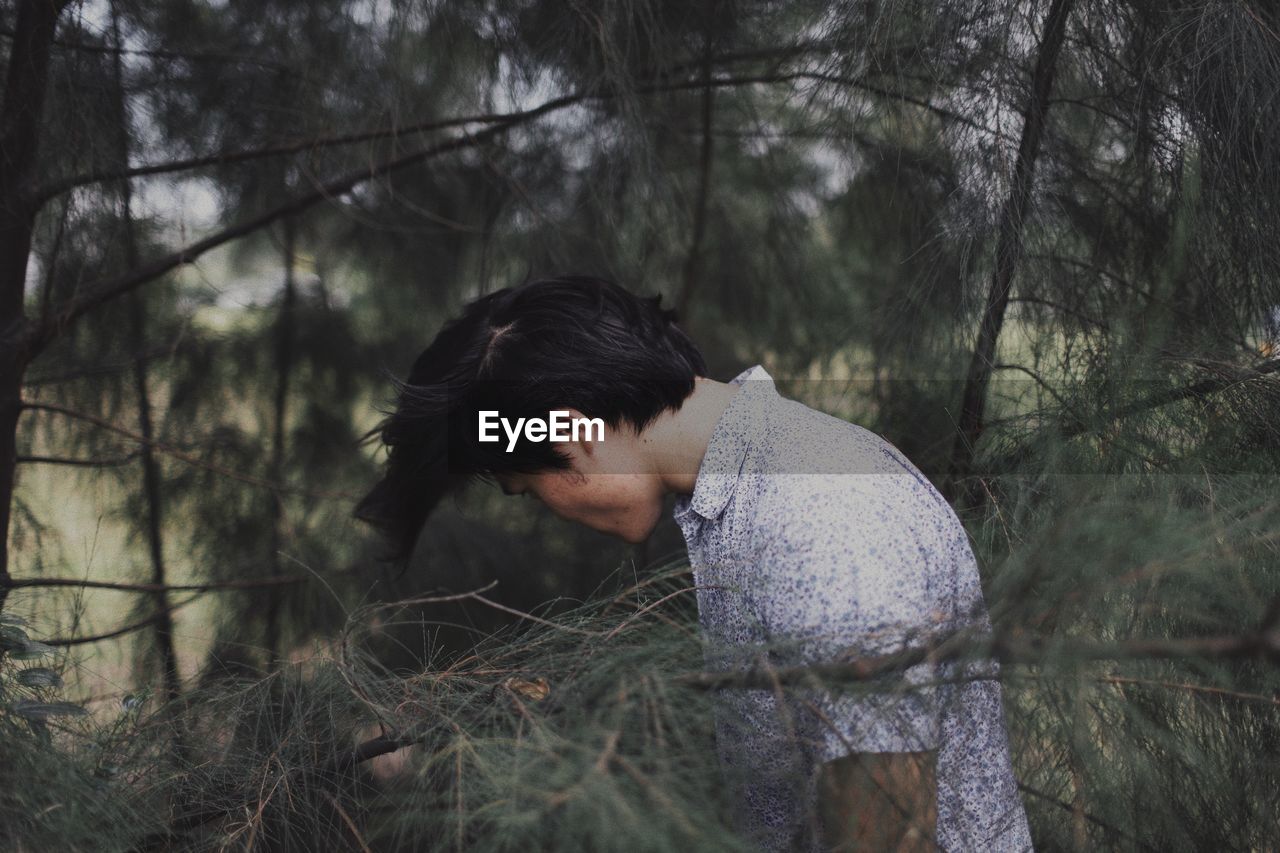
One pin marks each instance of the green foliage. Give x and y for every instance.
(578, 730)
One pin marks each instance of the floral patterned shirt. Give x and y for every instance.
(811, 537)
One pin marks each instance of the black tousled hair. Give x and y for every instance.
(567, 342)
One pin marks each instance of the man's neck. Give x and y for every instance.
(676, 442)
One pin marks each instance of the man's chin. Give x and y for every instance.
(635, 536)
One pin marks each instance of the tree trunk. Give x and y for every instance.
(284, 367)
(693, 260)
(150, 467)
(24, 93)
(155, 540)
(10, 407)
(1008, 252)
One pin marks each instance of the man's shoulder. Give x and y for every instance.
(816, 476)
(835, 455)
(802, 439)
(812, 473)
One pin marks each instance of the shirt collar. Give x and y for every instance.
(736, 429)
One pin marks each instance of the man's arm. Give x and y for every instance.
(879, 801)
(848, 568)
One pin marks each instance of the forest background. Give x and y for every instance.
(1034, 244)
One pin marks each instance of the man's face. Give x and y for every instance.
(606, 488)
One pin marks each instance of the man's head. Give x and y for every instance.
(571, 343)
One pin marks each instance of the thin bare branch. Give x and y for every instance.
(107, 462)
(182, 456)
(121, 631)
(84, 583)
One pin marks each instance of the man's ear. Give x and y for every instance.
(587, 438)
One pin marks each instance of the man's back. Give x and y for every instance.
(814, 538)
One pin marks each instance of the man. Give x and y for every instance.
(810, 539)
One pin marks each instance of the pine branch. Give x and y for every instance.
(891, 94)
(1076, 427)
(1206, 689)
(1095, 820)
(1262, 644)
(298, 146)
(104, 290)
(37, 336)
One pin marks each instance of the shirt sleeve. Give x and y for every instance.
(848, 567)
(764, 753)
(770, 769)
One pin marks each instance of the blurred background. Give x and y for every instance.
(1036, 245)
